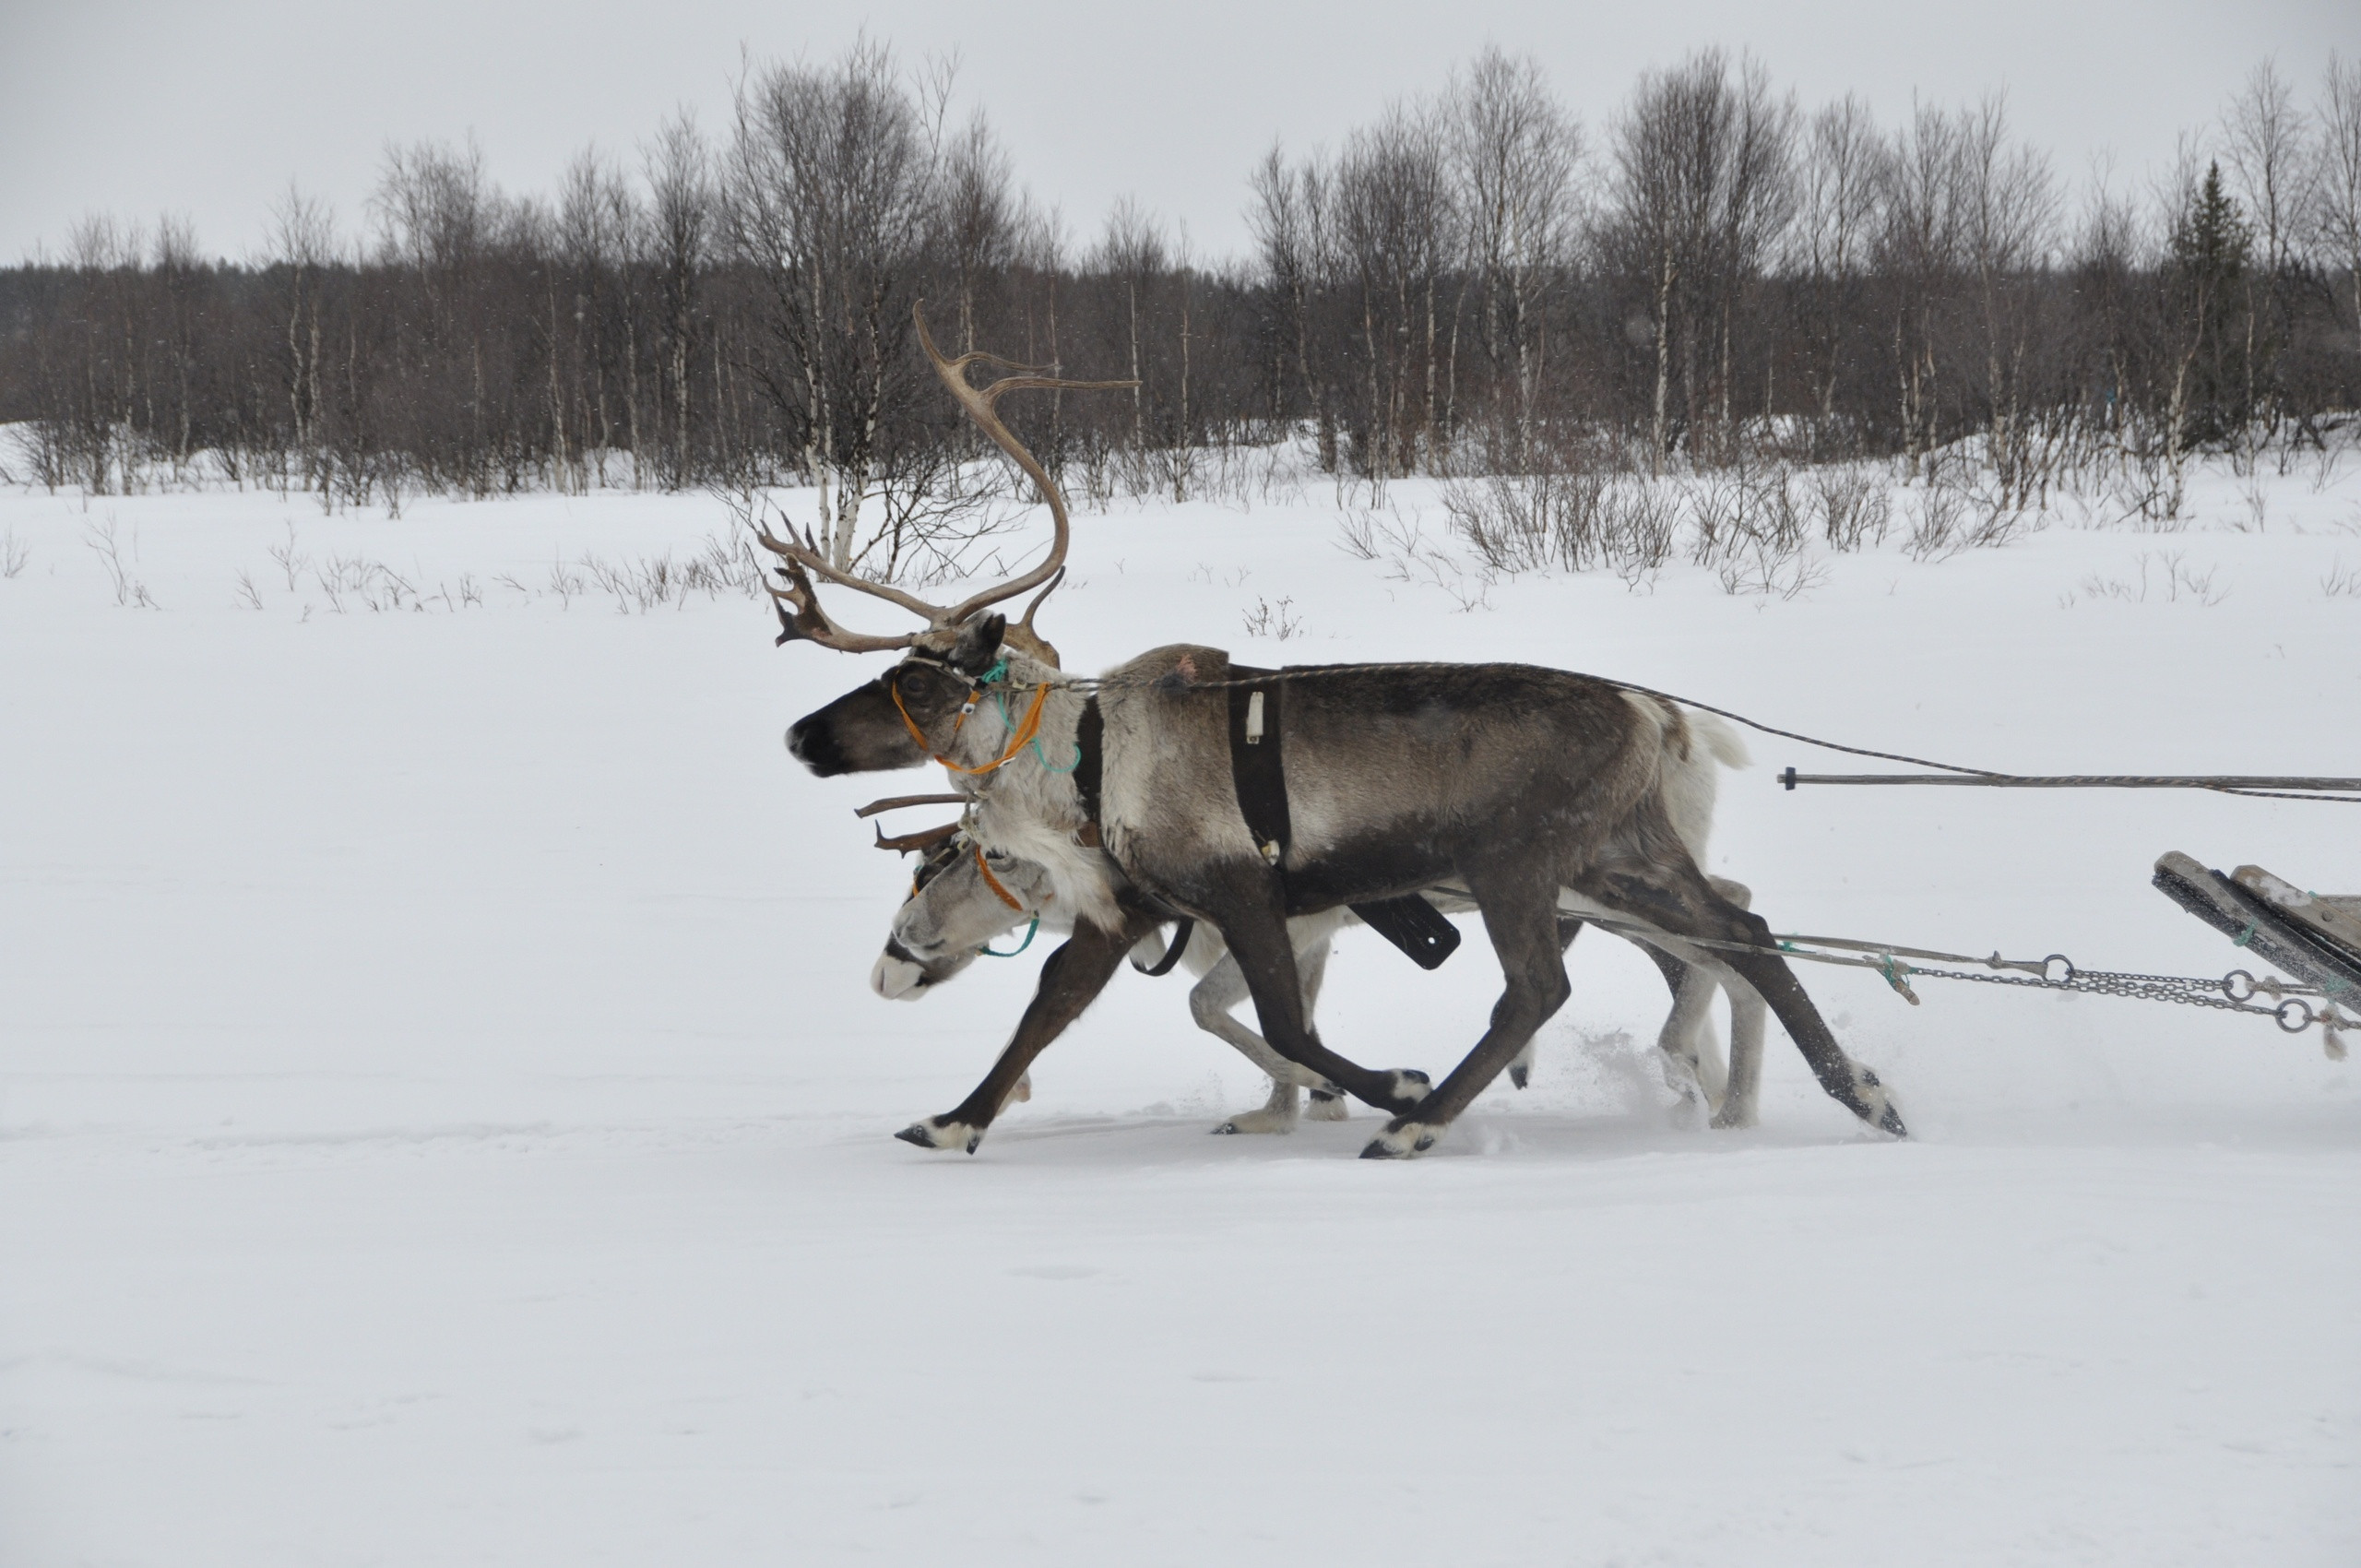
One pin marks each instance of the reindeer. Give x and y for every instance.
(1524, 787)
(965, 897)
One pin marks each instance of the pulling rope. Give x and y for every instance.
(2266, 786)
(2223, 784)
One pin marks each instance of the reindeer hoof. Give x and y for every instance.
(1410, 1086)
(1872, 1104)
(1729, 1118)
(1401, 1140)
(1327, 1106)
(935, 1133)
(1263, 1120)
(1519, 1075)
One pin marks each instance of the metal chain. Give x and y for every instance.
(2292, 1013)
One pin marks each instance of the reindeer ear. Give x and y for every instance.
(979, 643)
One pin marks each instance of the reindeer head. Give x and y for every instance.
(900, 718)
(963, 898)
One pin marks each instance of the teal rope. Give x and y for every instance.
(1010, 725)
(987, 948)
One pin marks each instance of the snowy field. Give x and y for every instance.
(444, 1119)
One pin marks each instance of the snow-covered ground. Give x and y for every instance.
(444, 1120)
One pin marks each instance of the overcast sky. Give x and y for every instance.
(137, 107)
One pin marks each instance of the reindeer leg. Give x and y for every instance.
(1678, 1048)
(1071, 979)
(1327, 1101)
(1735, 1101)
(1678, 897)
(1209, 1004)
(1256, 932)
(1522, 924)
(1521, 1070)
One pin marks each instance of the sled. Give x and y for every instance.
(2315, 938)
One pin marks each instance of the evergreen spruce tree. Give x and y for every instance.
(2211, 244)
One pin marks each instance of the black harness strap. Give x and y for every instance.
(1180, 935)
(1415, 926)
(1258, 770)
(1090, 740)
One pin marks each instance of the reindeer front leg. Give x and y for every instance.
(1255, 928)
(1071, 981)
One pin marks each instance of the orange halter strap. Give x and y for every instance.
(1017, 739)
(993, 883)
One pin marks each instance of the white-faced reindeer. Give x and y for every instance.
(1519, 786)
(964, 897)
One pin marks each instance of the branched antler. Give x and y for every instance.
(925, 838)
(799, 614)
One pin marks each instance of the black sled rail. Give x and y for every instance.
(2281, 924)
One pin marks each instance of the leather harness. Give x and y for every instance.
(1258, 774)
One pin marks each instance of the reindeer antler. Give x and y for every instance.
(804, 562)
(895, 802)
(925, 838)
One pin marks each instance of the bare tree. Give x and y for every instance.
(1132, 256)
(1514, 152)
(2337, 175)
(302, 240)
(1290, 223)
(680, 239)
(1394, 228)
(2265, 136)
(1919, 252)
(1703, 189)
(980, 214)
(2008, 223)
(829, 192)
(1840, 189)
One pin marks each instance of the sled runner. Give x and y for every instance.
(2316, 939)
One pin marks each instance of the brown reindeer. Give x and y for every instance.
(1518, 785)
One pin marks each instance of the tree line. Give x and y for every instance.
(1477, 282)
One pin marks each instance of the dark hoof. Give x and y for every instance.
(1519, 1073)
(916, 1134)
(1376, 1150)
(1415, 1075)
(1226, 1127)
(1892, 1123)
(1324, 1096)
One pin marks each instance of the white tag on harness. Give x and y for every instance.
(1254, 719)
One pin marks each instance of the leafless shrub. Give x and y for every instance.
(1277, 621)
(129, 592)
(1358, 528)
(15, 554)
(1936, 529)
(248, 595)
(1760, 566)
(377, 586)
(1410, 558)
(2257, 506)
(2342, 581)
(289, 560)
(1639, 521)
(724, 564)
(566, 582)
(1854, 507)
(2165, 577)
